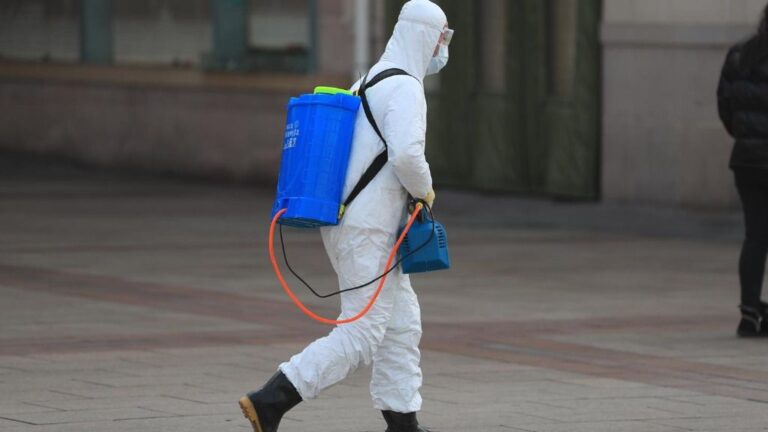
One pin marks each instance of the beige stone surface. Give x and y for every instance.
(140, 304)
(683, 11)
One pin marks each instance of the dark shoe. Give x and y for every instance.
(264, 408)
(400, 422)
(752, 324)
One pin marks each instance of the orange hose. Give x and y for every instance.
(301, 305)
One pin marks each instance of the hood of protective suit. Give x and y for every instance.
(415, 36)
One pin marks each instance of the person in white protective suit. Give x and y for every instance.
(358, 247)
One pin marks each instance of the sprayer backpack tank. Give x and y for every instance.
(313, 168)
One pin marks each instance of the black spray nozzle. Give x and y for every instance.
(426, 211)
(413, 201)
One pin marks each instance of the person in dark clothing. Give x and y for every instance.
(742, 102)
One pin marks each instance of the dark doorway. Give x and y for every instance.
(518, 107)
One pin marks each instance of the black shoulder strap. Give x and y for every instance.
(381, 158)
(365, 85)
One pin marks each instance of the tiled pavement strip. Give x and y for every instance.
(138, 304)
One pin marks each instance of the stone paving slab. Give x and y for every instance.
(145, 304)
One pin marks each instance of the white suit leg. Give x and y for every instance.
(358, 255)
(396, 376)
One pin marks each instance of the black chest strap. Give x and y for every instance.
(381, 158)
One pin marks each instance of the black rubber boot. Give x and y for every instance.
(400, 422)
(752, 324)
(265, 407)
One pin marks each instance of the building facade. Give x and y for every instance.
(572, 99)
(195, 87)
(662, 142)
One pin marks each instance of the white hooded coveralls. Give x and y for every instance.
(359, 246)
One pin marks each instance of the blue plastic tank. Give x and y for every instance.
(316, 148)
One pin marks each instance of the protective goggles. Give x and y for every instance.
(446, 37)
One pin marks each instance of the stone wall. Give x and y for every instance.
(160, 120)
(157, 117)
(662, 142)
(161, 33)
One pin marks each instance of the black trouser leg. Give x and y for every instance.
(753, 190)
(751, 270)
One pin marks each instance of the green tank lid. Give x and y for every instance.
(331, 90)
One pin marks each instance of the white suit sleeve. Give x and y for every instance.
(405, 128)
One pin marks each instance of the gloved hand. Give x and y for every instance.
(430, 198)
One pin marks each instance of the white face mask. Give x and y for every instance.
(439, 61)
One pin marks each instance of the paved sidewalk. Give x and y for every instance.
(142, 304)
